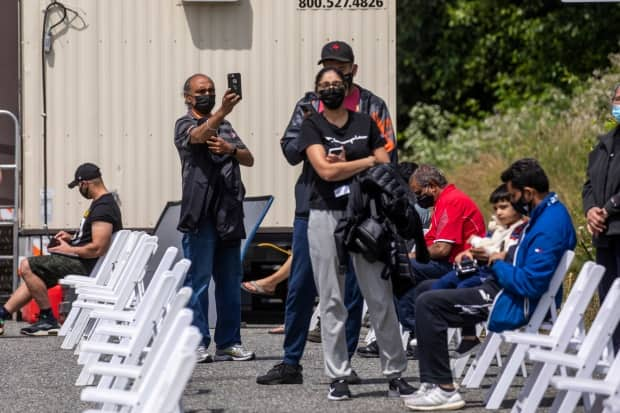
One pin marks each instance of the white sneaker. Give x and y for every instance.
(431, 397)
(236, 352)
(202, 355)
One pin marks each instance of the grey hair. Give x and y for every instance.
(188, 83)
(427, 174)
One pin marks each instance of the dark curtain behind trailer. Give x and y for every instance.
(9, 100)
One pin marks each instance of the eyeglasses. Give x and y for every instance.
(327, 85)
(419, 193)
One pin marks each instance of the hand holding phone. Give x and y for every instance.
(54, 242)
(234, 83)
(335, 151)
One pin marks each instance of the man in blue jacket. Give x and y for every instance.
(521, 276)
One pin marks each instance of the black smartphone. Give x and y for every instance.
(234, 82)
(54, 242)
(335, 151)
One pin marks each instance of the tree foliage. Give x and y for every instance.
(475, 57)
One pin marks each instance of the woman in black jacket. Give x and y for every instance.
(601, 203)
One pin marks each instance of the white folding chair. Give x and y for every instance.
(612, 404)
(103, 269)
(117, 298)
(132, 315)
(111, 266)
(584, 362)
(458, 364)
(558, 339)
(117, 373)
(491, 345)
(156, 392)
(136, 335)
(599, 389)
(160, 348)
(153, 301)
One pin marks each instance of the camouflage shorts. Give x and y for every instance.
(51, 268)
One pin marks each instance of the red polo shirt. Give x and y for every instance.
(455, 218)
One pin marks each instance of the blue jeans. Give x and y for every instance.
(212, 258)
(405, 306)
(301, 295)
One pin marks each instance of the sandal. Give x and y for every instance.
(252, 287)
(276, 330)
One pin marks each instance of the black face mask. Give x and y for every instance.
(348, 79)
(332, 98)
(521, 206)
(84, 191)
(426, 201)
(204, 103)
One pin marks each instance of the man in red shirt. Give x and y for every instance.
(454, 220)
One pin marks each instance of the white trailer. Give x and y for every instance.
(114, 72)
(114, 90)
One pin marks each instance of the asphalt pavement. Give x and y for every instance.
(37, 376)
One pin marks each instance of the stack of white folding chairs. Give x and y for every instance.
(125, 335)
(566, 357)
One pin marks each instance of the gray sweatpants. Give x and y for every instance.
(330, 284)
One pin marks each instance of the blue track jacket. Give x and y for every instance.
(548, 235)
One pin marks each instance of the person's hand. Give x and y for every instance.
(497, 256)
(229, 101)
(372, 161)
(333, 158)
(63, 235)
(596, 218)
(463, 255)
(480, 254)
(219, 146)
(62, 248)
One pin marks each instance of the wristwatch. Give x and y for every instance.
(234, 152)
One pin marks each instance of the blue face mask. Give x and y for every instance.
(615, 112)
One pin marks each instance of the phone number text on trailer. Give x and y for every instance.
(340, 4)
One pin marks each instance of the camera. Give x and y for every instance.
(466, 268)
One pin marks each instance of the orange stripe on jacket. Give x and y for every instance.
(386, 129)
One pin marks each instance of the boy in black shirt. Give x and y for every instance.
(70, 254)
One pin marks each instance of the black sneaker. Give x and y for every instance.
(314, 335)
(466, 347)
(282, 374)
(43, 327)
(400, 388)
(339, 390)
(370, 351)
(412, 351)
(353, 378)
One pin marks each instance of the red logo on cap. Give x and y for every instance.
(335, 46)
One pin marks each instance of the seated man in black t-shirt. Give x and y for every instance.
(70, 253)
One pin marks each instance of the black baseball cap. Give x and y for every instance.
(337, 50)
(85, 172)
